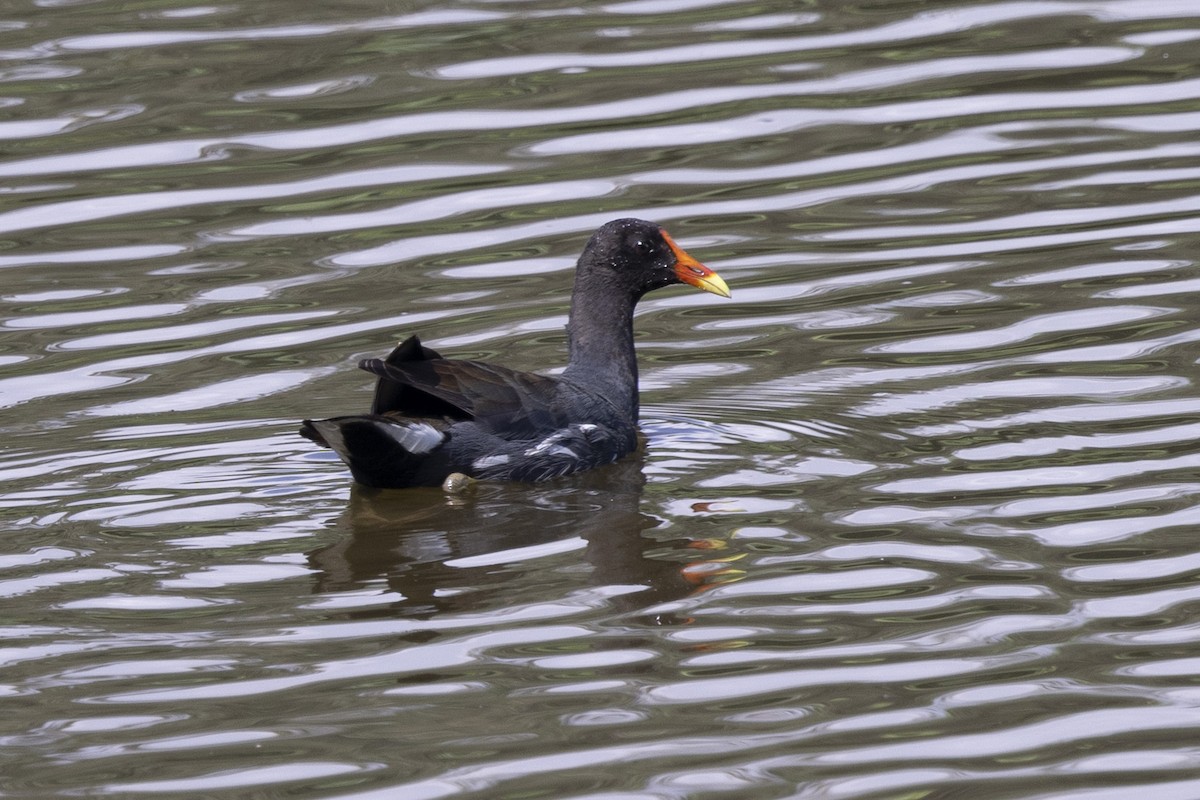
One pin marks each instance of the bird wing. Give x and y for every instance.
(396, 395)
(418, 382)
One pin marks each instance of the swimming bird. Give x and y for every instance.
(434, 416)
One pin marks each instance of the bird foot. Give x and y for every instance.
(457, 483)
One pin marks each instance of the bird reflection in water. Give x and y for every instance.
(432, 549)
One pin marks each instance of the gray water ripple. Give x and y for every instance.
(78, 211)
(1064, 388)
(1035, 476)
(914, 509)
(96, 376)
(138, 39)
(760, 683)
(92, 255)
(1036, 221)
(1029, 328)
(1044, 446)
(921, 26)
(424, 247)
(794, 121)
(1093, 413)
(184, 151)
(420, 658)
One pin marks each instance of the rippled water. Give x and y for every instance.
(917, 512)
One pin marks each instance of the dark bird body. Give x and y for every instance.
(433, 416)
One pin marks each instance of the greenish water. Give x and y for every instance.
(916, 514)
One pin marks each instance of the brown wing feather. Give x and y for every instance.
(398, 396)
(501, 400)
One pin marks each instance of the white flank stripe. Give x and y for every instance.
(483, 462)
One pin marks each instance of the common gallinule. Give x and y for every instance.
(435, 416)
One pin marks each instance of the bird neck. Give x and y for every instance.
(600, 342)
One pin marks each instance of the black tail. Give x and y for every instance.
(382, 452)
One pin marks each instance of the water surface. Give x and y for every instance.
(915, 515)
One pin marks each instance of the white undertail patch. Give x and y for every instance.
(332, 435)
(417, 438)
